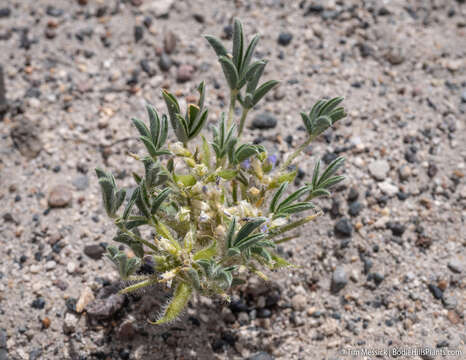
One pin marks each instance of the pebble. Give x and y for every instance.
(395, 56)
(343, 228)
(379, 169)
(71, 267)
(404, 172)
(26, 139)
(355, 208)
(158, 7)
(165, 62)
(105, 308)
(185, 73)
(463, 96)
(261, 356)
(69, 323)
(388, 188)
(299, 302)
(339, 279)
(5, 12)
(138, 33)
(80, 182)
(94, 251)
(436, 292)
(59, 196)
(169, 42)
(86, 297)
(285, 38)
(38, 303)
(456, 266)
(50, 265)
(127, 331)
(264, 121)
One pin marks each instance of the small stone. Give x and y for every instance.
(339, 279)
(264, 121)
(59, 196)
(106, 308)
(453, 316)
(71, 267)
(158, 7)
(53, 11)
(165, 62)
(185, 73)
(69, 323)
(127, 330)
(138, 33)
(169, 42)
(463, 96)
(438, 294)
(397, 228)
(379, 169)
(388, 188)
(5, 12)
(243, 318)
(395, 56)
(80, 182)
(261, 356)
(404, 172)
(455, 265)
(285, 38)
(343, 228)
(94, 251)
(378, 278)
(50, 265)
(86, 297)
(38, 303)
(26, 139)
(45, 322)
(355, 208)
(264, 313)
(449, 302)
(299, 302)
(353, 194)
(432, 170)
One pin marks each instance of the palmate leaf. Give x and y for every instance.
(321, 183)
(323, 114)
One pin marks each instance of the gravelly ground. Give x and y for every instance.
(393, 237)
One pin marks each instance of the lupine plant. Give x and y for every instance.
(215, 207)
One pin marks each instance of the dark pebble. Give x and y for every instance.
(264, 313)
(138, 33)
(35, 354)
(355, 208)
(53, 11)
(106, 308)
(438, 294)
(94, 251)
(285, 38)
(218, 345)
(353, 194)
(38, 303)
(329, 157)
(377, 278)
(165, 62)
(5, 12)
(343, 227)
(199, 18)
(229, 338)
(368, 263)
(397, 228)
(237, 306)
(145, 66)
(432, 170)
(264, 121)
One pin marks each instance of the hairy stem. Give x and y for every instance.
(231, 110)
(138, 238)
(242, 121)
(137, 286)
(296, 153)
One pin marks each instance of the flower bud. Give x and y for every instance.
(183, 215)
(179, 150)
(200, 170)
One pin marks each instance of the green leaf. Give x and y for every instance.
(331, 182)
(205, 153)
(250, 51)
(294, 196)
(249, 241)
(149, 146)
(177, 304)
(197, 127)
(227, 174)
(154, 124)
(331, 169)
(276, 197)
(142, 128)
(194, 276)
(248, 228)
(141, 200)
(119, 198)
(206, 253)
(216, 45)
(263, 90)
(315, 174)
(233, 252)
(186, 180)
(183, 128)
(250, 71)
(130, 203)
(174, 110)
(238, 40)
(295, 208)
(330, 105)
(229, 69)
(279, 262)
(108, 195)
(159, 200)
(244, 152)
(254, 77)
(230, 233)
(319, 192)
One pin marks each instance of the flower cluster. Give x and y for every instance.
(217, 208)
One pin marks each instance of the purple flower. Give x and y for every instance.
(264, 228)
(272, 160)
(246, 164)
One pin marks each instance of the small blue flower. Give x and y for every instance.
(272, 160)
(265, 228)
(246, 164)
